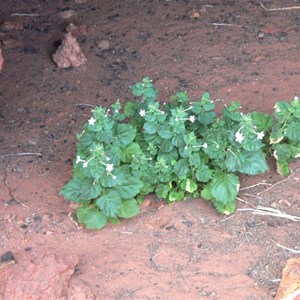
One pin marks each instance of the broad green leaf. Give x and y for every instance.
(114, 221)
(207, 117)
(224, 187)
(282, 110)
(180, 98)
(131, 150)
(178, 140)
(125, 133)
(262, 121)
(206, 192)
(129, 188)
(252, 144)
(189, 185)
(283, 152)
(277, 134)
(91, 217)
(293, 131)
(203, 173)
(165, 131)
(195, 159)
(129, 109)
(80, 190)
(166, 146)
(81, 213)
(150, 128)
(176, 196)
(226, 209)
(128, 209)
(282, 168)
(138, 89)
(109, 203)
(181, 168)
(162, 191)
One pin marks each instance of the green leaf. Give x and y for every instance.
(128, 209)
(181, 168)
(195, 159)
(138, 89)
(109, 203)
(206, 192)
(176, 196)
(203, 173)
(262, 121)
(80, 190)
(189, 185)
(293, 131)
(282, 110)
(162, 191)
(207, 117)
(224, 187)
(178, 140)
(125, 133)
(91, 217)
(131, 150)
(277, 134)
(129, 188)
(150, 127)
(165, 131)
(250, 163)
(129, 109)
(166, 146)
(226, 209)
(282, 168)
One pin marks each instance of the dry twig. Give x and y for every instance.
(279, 9)
(268, 211)
(21, 154)
(24, 15)
(286, 248)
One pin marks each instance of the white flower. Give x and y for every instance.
(142, 112)
(239, 137)
(296, 98)
(204, 145)
(260, 135)
(85, 164)
(109, 167)
(114, 177)
(116, 111)
(78, 159)
(186, 147)
(92, 121)
(162, 112)
(192, 119)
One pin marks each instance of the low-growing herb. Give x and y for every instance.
(177, 150)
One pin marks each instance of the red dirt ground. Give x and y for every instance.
(235, 50)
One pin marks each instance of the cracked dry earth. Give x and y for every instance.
(235, 50)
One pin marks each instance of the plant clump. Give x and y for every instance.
(177, 150)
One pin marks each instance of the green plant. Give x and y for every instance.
(177, 150)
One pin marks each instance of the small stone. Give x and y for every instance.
(103, 45)
(11, 25)
(69, 53)
(7, 258)
(77, 31)
(261, 35)
(67, 14)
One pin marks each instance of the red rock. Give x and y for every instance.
(40, 275)
(1, 60)
(289, 287)
(69, 53)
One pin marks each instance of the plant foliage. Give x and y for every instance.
(177, 150)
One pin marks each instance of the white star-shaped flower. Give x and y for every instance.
(260, 135)
(78, 159)
(296, 98)
(192, 119)
(85, 164)
(142, 112)
(239, 137)
(109, 167)
(92, 121)
(204, 145)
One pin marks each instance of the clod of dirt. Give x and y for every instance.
(11, 25)
(76, 31)
(289, 287)
(69, 53)
(1, 60)
(40, 275)
(196, 13)
(67, 14)
(103, 45)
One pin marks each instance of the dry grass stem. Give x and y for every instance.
(275, 184)
(268, 211)
(286, 248)
(279, 9)
(21, 154)
(24, 15)
(293, 295)
(255, 185)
